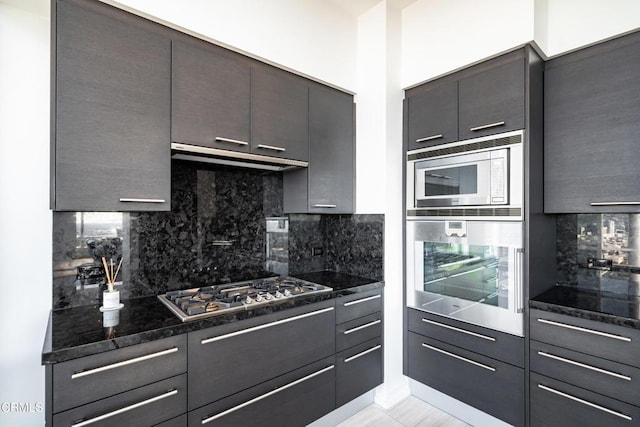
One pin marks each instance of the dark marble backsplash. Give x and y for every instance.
(226, 225)
(614, 237)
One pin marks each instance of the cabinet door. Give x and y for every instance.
(224, 361)
(591, 128)
(358, 370)
(279, 115)
(210, 100)
(291, 400)
(112, 113)
(492, 386)
(492, 101)
(331, 151)
(554, 403)
(433, 116)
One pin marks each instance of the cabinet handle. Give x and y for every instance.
(584, 402)
(464, 359)
(125, 409)
(356, 329)
(270, 147)
(453, 328)
(264, 396)
(359, 301)
(582, 365)
(490, 125)
(519, 262)
(233, 141)
(614, 203)
(266, 325)
(324, 206)
(123, 363)
(429, 138)
(355, 356)
(128, 200)
(588, 331)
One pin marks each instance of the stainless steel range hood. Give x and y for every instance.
(197, 153)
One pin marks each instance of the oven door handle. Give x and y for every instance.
(518, 305)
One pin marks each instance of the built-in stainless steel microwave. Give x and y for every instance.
(467, 178)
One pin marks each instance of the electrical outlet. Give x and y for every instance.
(316, 251)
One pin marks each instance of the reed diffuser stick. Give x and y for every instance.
(106, 272)
(117, 271)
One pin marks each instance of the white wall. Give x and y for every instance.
(311, 37)
(439, 36)
(575, 23)
(25, 219)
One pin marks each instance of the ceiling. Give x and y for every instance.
(358, 7)
(39, 7)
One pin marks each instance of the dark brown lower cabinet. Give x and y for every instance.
(143, 406)
(291, 400)
(555, 403)
(487, 384)
(358, 370)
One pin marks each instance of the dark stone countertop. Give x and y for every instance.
(79, 331)
(614, 309)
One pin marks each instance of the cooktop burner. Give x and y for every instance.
(197, 303)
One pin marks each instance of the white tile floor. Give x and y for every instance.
(411, 412)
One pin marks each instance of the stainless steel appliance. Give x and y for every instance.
(473, 178)
(467, 270)
(198, 303)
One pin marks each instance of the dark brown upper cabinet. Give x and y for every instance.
(433, 116)
(328, 184)
(279, 115)
(492, 101)
(591, 128)
(111, 103)
(210, 99)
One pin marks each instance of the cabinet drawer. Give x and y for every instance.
(497, 345)
(358, 331)
(554, 403)
(599, 375)
(148, 405)
(358, 305)
(293, 399)
(90, 378)
(358, 370)
(492, 386)
(224, 361)
(611, 342)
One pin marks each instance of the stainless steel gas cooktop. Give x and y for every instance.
(198, 303)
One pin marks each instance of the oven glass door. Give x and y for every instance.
(471, 271)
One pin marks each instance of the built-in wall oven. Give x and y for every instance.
(464, 231)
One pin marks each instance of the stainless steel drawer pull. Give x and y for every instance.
(614, 203)
(354, 357)
(453, 328)
(128, 200)
(585, 402)
(123, 363)
(429, 138)
(464, 359)
(588, 331)
(233, 141)
(490, 125)
(125, 409)
(582, 365)
(264, 396)
(352, 330)
(319, 205)
(266, 325)
(358, 301)
(270, 147)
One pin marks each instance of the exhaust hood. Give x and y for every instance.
(198, 153)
